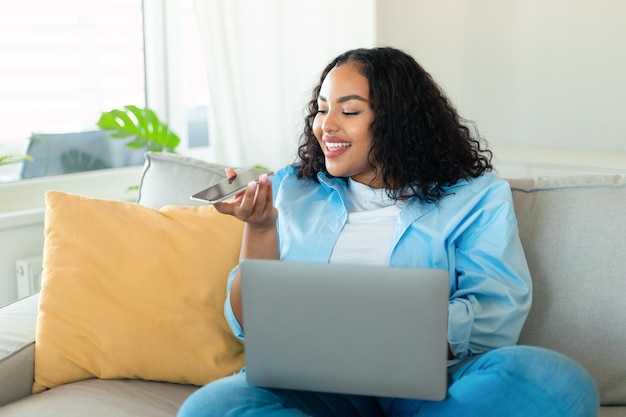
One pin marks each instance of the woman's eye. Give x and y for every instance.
(322, 111)
(350, 113)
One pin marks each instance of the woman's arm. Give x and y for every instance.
(492, 294)
(256, 244)
(260, 237)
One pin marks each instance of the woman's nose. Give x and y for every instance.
(330, 123)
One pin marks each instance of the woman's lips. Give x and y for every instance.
(334, 148)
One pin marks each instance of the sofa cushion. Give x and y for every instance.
(17, 348)
(573, 230)
(99, 398)
(169, 178)
(133, 292)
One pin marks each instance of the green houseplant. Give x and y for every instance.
(13, 158)
(142, 126)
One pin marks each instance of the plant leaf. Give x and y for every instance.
(143, 125)
(137, 143)
(108, 121)
(13, 158)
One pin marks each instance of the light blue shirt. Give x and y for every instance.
(472, 233)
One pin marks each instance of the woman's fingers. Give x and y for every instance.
(253, 205)
(249, 202)
(269, 195)
(231, 174)
(264, 199)
(226, 207)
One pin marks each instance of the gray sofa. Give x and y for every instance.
(572, 229)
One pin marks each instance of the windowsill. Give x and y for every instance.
(29, 195)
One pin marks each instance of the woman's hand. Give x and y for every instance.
(254, 205)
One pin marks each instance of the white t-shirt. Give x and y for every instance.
(367, 237)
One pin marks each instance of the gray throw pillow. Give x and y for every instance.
(170, 179)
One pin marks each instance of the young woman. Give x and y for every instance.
(388, 173)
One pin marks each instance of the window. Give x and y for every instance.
(195, 80)
(63, 64)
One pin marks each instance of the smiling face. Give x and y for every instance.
(342, 124)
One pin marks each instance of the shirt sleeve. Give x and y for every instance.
(229, 314)
(492, 293)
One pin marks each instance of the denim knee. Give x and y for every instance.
(234, 397)
(219, 398)
(545, 376)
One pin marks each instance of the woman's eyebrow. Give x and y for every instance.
(343, 99)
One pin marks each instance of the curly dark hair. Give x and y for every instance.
(418, 139)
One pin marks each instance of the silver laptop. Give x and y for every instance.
(354, 329)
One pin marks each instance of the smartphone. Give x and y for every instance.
(227, 188)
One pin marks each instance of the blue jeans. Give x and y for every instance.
(512, 381)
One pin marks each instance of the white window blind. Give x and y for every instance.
(63, 62)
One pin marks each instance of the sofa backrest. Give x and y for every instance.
(573, 230)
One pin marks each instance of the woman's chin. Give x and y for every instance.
(335, 172)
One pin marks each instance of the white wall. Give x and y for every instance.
(22, 213)
(533, 74)
(23, 240)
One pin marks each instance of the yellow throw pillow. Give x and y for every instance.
(133, 292)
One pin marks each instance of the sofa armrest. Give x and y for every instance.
(18, 321)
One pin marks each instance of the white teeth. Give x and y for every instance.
(336, 145)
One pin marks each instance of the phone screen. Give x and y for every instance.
(226, 189)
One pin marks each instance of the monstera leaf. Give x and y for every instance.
(141, 126)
